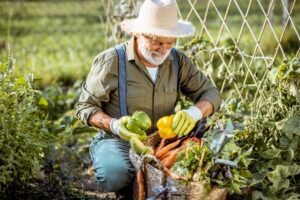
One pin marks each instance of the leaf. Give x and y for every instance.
(226, 162)
(21, 81)
(281, 184)
(291, 154)
(257, 195)
(285, 142)
(294, 90)
(294, 169)
(282, 172)
(235, 187)
(43, 102)
(229, 128)
(272, 154)
(246, 174)
(231, 150)
(243, 159)
(292, 126)
(292, 196)
(85, 129)
(273, 75)
(30, 79)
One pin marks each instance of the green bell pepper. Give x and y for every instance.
(139, 122)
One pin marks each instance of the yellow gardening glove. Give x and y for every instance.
(185, 120)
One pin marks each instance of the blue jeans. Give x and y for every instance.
(110, 159)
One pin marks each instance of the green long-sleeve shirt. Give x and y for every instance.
(100, 90)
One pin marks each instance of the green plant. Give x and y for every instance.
(269, 107)
(271, 119)
(274, 130)
(23, 131)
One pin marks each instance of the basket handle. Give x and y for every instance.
(151, 159)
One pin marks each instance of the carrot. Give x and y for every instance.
(172, 158)
(167, 148)
(166, 155)
(161, 145)
(163, 161)
(140, 180)
(174, 176)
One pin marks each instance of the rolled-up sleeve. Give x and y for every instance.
(195, 84)
(96, 90)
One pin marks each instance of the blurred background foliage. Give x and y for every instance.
(57, 40)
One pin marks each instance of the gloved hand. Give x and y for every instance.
(118, 128)
(139, 122)
(185, 120)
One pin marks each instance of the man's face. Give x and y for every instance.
(155, 50)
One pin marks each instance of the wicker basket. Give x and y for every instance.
(154, 175)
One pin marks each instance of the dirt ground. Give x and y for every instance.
(75, 160)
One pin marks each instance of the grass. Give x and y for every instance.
(57, 40)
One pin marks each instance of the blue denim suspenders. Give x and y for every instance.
(122, 80)
(123, 73)
(175, 66)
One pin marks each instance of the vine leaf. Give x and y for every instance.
(292, 125)
(279, 176)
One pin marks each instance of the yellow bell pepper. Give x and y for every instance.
(164, 126)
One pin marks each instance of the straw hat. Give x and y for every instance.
(158, 18)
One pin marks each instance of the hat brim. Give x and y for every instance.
(182, 29)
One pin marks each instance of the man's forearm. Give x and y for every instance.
(100, 120)
(205, 106)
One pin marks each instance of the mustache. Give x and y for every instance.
(156, 53)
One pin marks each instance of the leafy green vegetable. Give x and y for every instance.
(221, 160)
(188, 160)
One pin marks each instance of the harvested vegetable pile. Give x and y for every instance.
(218, 161)
(208, 154)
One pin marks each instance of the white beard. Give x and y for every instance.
(149, 55)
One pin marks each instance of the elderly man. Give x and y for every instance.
(144, 74)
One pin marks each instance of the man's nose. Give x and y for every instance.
(163, 49)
